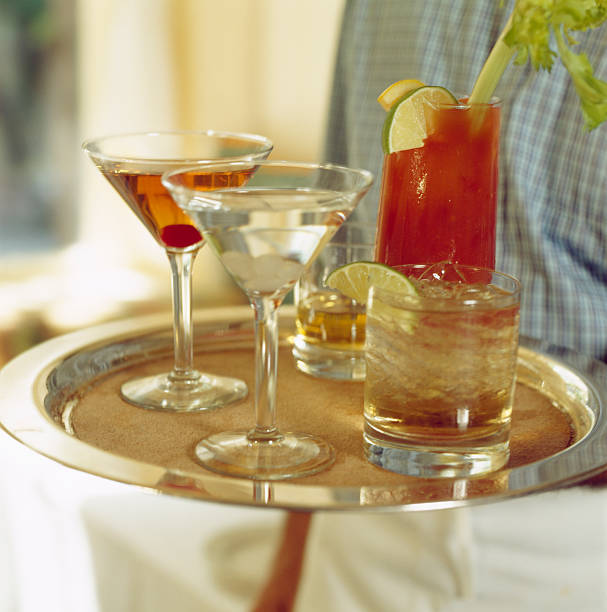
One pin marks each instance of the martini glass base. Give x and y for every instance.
(290, 455)
(161, 392)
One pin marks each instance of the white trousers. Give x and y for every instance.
(543, 552)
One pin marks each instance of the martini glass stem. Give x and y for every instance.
(266, 352)
(182, 263)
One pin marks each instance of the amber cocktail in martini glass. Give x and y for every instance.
(133, 164)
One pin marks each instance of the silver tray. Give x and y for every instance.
(40, 389)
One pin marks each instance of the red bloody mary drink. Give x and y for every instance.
(438, 201)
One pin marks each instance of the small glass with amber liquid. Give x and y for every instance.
(330, 327)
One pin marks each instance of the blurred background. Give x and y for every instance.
(72, 253)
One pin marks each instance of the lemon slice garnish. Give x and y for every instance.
(396, 91)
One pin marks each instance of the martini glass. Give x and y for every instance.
(266, 233)
(134, 164)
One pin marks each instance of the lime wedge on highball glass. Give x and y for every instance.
(409, 120)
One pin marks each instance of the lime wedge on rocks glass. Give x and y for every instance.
(409, 120)
(355, 279)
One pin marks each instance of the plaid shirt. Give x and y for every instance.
(552, 210)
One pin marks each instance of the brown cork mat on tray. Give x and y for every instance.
(330, 409)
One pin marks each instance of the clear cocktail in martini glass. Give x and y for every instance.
(134, 164)
(266, 233)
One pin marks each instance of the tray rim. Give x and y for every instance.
(24, 417)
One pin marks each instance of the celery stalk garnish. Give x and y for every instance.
(527, 36)
(492, 69)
